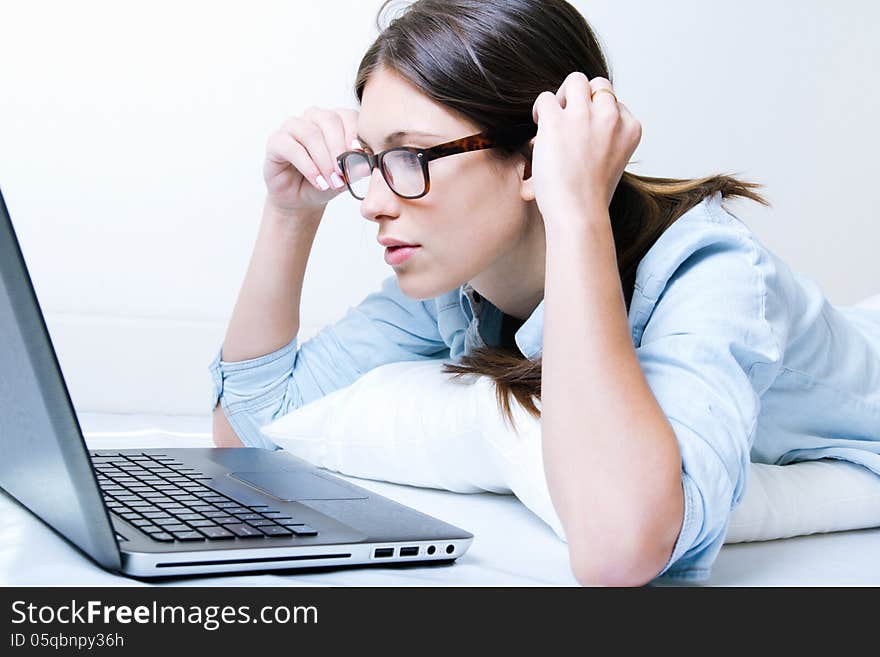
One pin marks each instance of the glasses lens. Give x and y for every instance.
(357, 169)
(404, 172)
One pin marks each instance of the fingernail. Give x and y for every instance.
(336, 180)
(322, 183)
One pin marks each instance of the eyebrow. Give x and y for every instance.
(398, 136)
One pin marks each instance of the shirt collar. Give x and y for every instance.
(528, 337)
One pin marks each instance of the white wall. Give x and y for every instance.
(132, 136)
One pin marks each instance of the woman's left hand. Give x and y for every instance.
(582, 145)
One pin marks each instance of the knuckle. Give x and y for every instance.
(291, 124)
(311, 131)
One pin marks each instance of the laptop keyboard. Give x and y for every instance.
(171, 502)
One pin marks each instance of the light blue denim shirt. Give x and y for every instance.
(749, 361)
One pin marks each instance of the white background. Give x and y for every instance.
(132, 138)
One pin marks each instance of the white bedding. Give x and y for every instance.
(512, 546)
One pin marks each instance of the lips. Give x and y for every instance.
(390, 242)
(399, 254)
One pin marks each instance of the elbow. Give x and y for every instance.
(628, 558)
(626, 568)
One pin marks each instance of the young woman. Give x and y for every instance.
(667, 345)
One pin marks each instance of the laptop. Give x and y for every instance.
(180, 511)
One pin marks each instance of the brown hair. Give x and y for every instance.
(488, 60)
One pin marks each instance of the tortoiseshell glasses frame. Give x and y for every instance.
(510, 137)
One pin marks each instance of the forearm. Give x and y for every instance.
(610, 455)
(266, 314)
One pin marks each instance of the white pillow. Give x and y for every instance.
(410, 423)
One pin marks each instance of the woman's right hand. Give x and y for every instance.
(304, 148)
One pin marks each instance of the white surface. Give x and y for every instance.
(133, 172)
(511, 547)
(449, 434)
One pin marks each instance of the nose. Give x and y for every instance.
(380, 201)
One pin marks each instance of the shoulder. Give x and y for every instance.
(707, 273)
(706, 235)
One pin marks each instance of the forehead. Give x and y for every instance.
(390, 103)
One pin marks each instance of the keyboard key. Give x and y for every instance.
(215, 533)
(141, 522)
(304, 530)
(287, 522)
(234, 509)
(202, 523)
(188, 536)
(226, 520)
(244, 531)
(162, 536)
(262, 522)
(204, 508)
(275, 530)
(248, 516)
(189, 516)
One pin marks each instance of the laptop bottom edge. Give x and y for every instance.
(169, 564)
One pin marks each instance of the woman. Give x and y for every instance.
(667, 345)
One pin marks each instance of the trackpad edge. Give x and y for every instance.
(295, 486)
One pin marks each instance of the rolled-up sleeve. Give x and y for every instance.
(708, 354)
(385, 327)
(251, 392)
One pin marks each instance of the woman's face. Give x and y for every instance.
(472, 221)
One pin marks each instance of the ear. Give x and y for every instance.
(526, 192)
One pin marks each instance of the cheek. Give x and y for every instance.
(476, 214)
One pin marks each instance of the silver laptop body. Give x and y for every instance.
(182, 511)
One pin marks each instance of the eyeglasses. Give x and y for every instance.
(405, 168)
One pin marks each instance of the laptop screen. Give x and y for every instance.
(44, 463)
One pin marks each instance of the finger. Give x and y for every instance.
(544, 104)
(349, 120)
(333, 135)
(283, 148)
(574, 92)
(602, 98)
(632, 124)
(311, 136)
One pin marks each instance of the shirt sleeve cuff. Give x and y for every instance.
(249, 389)
(693, 521)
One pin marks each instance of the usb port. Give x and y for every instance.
(384, 552)
(409, 551)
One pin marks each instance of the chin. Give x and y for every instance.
(422, 290)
